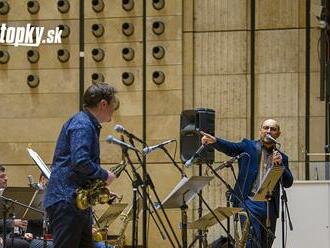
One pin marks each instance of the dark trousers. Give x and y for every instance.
(258, 233)
(70, 226)
(17, 243)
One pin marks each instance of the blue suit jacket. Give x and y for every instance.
(248, 169)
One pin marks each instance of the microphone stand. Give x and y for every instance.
(173, 161)
(150, 183)
(136, 183)
(230, 239)
(144, 183)
(6, 204)
(201, 197)
(285, 208)
(229, 189)
(151, 213)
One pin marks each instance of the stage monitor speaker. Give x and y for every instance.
(191, 122)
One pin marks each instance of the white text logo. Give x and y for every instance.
(28, 36)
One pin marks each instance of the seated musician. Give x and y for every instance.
(16, 240)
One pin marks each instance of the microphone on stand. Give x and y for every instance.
(120, 129)
(272, 139)
(149, 149)
(34, 185)
(230, 162)
(113, 140)
(190, 161)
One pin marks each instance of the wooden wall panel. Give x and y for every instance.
(275, 92)
(48, 58)
(17, 175)
(48, 10)
(173, 77)
(114, 9)
(51, 81)
(221, 53)
(30, 129)
(164, 102)
(172, 7)
(226, 94)
(173, 30)
(113, 55)
(277, 51)
(13, 153)
(114, 77)
(277, 14)
(113, 30)
(38, 105)
(215, 15)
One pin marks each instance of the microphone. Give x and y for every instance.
(272, 139)
(149, 149)
(113, 140)
(197, 154)
(33, 184)
(120, 129)
(230, 162)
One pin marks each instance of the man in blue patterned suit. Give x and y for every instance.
(262, 154)
(76, 161)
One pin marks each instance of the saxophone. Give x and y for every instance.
(118, 240)
(240, 242)
(95, 191)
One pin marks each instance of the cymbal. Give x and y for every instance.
(209, 220)
(112, 212)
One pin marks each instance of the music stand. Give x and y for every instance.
(39, 162)
(112, 212)
(24, 195)
(181, 195)
(264, 192)
(209, 220)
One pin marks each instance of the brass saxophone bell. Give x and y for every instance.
(100, 234)
(104, 195)
(82, 199)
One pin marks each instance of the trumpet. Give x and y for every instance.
(96, 192)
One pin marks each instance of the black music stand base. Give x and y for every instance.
(184, 223)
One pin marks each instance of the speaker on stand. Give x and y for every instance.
(191, 122)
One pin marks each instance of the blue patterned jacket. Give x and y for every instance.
(76, 158)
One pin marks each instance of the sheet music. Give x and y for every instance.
(268, 183)
(39, 162)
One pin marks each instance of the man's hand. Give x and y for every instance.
(20, 223)
(28, 236)
(110, 178)
(207, 138)
(277, 158)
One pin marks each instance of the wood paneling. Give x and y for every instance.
(48, 10)
(277, 51)
(215, 15)
(221, 53)
(277, 14)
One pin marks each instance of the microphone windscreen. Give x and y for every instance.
(118, 128)
(110, 139)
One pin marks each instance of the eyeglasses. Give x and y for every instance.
(273, 129)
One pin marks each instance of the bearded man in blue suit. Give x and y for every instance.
(262, 155)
